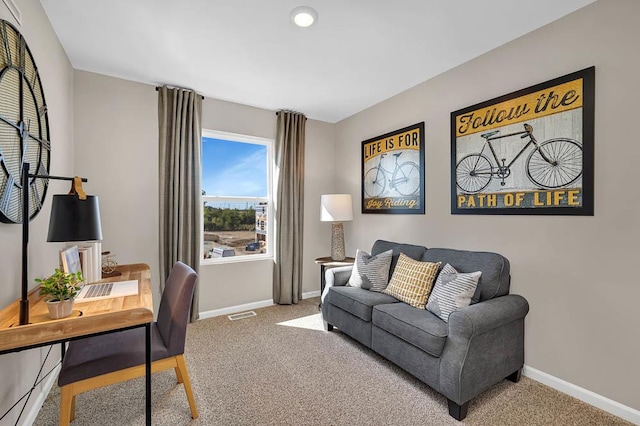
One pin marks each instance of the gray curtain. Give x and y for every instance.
(289, 207)
(179, 117)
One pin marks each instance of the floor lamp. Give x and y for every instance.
(336, 208)
(74, 217)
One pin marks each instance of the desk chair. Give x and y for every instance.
(106, 359)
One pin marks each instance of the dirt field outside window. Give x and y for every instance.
(236, 240)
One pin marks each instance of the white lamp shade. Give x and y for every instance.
(336, 208)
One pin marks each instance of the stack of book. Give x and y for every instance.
(91, 261)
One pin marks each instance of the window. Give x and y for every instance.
(236, 197)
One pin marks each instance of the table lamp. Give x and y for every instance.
(336, 208)
(74, 217)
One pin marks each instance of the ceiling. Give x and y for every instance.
(359, 52)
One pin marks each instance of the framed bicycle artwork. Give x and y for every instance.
(393, 172)
(529, 152)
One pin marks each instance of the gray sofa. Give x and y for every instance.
(481, 344)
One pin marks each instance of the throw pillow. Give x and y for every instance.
(371, 272)
(412, 281)
(453, 290)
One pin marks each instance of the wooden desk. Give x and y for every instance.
(88, 318)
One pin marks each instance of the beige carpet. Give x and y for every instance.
(281, 368)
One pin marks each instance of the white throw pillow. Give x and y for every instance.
(452, 291)
(371, 272)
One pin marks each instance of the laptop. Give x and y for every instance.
(107, 290)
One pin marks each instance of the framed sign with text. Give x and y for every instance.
(393, 172)
(528, 152)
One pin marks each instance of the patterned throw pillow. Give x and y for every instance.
(371, 272)
(453, 290)
(412, 281)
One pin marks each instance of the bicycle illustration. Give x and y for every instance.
(405, 178)
(552, 164)
(108, 264)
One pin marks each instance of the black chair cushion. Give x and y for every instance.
(173, 314)
(106, 353)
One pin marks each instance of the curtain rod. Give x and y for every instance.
(290, 110)
(158, 88)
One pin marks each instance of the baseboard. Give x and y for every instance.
(248, 306)
(311, 294)
(32, 414)
(591, 398)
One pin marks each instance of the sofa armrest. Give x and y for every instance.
(338, 276)
(485, 316)
(485, 345)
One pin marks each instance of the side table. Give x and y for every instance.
(328, 262)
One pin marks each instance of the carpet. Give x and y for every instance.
(281, 368)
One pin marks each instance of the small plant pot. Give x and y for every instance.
(60, 309)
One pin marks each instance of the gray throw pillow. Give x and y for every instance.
(452, 291)
(371, 272)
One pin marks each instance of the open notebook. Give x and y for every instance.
(91, 292)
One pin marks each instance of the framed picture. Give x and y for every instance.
(70, 260)
(529, 152)
(393, 172)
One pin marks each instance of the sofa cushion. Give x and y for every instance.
(419, 327)
(413, 251)
(357, 301)
(452, 291)
(412, 281)
(371, 272)
(495, 278)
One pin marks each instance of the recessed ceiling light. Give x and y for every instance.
(303, 16)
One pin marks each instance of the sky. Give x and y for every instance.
(234, 168)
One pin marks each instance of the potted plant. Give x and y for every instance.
(59, 290)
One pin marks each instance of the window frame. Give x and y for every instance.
(256, 140)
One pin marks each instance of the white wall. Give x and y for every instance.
(116, 125)
(576, 272)
(18, 370)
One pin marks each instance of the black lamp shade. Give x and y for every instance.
(73, 219)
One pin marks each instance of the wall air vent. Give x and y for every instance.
(241, 315)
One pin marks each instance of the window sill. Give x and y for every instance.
(235, 259)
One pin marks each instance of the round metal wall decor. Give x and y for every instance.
(24, 126)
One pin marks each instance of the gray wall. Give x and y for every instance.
(18, 371)
(117, 122)
(576, 272)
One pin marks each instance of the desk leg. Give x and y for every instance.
(147, 328)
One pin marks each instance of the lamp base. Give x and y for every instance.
(24, 312)
(337, 241)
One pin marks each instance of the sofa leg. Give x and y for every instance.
(515, 376)
(327, 326)
(458, 412)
